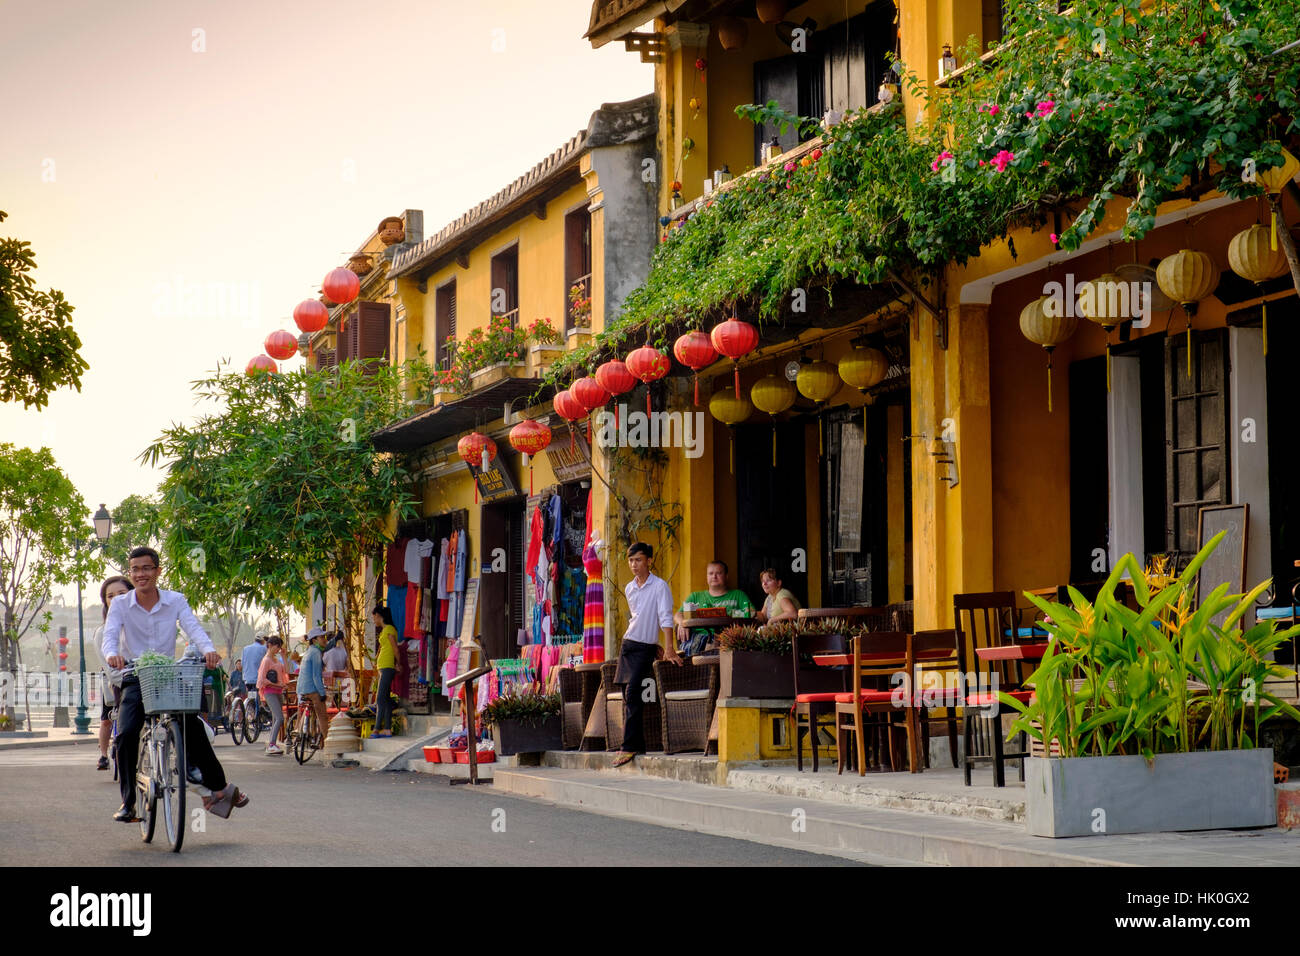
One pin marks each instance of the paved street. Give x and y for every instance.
(56, 810)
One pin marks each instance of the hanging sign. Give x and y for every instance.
(570, 464)
(497, 482)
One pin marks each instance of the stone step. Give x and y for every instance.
(861, 833)
(454, 771)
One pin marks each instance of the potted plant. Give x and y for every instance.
(579, 315)
(392, 230)
(493, 353)
(1156, 711)
(756, 661)
(524, 723)
(544, 345)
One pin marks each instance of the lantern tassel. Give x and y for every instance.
(697, 388)
(737, 380)
(732, 441)
(774, 443)
(647, 399)
(530, 480)
(1273, 232)
(1049, 383)
(1264, 310)
(1108, 368)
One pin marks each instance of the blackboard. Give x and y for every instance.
(848, 529)
(1228, 562)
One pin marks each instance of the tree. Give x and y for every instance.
(283, 487)
(41, 516)
(38, 346)
(137, 521)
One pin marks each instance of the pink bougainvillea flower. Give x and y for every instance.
(1258, 97)
(991, 108)
(1200, 40)
(1055, 238)
(939, 160)
(1045, 108)
(1002, 160)
(1046, 163)
(982, 163)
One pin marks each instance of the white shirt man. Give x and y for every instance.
(131, 630)
(651, 604)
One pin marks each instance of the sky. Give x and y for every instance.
(155, 149)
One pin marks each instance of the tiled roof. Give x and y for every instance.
(446, 238)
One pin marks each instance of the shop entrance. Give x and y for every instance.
(770, 508)
(501, 582)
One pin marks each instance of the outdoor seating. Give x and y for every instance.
(579, 688)
(873, 654)
(687, 695)
(812, 709)
(651, 722)
(939, 653)
(988, 620)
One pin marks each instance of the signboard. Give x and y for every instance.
(569, 464)
(1228, 562)
(848, 530)
(495, 483)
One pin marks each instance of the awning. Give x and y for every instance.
(454, 417)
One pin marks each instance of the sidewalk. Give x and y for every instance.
(930, 819)
(53, 737)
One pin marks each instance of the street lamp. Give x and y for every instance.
(103, 528)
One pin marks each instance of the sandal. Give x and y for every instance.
(220, 805)
(624, 758)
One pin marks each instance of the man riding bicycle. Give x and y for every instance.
(311, 677)
(146, 620)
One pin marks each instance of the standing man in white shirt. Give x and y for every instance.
(145, 620)
(651, 603)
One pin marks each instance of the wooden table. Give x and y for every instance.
(715, 623)
(846, 660)
(1013, 652)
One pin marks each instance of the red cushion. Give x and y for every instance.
(986, 699)
(868, 697)
(824, 698)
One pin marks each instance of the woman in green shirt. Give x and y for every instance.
(386, 664)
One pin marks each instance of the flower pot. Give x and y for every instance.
(433, 754)
(392, 230)
(577, 338)
(762, 675)
(543, 355)
(484, 756)
(441, 396)
(1080, 796)
(513, 736)
(495, 373)
(361, 265)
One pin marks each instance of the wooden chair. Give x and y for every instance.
(812, 708)
(874, 654)
(989, 619)
(880, 614)
(938, 652)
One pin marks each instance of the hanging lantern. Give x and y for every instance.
(477, 449)
(772, 394)
(1047, 331)
(615, 378)
(695, 351)
(568, 408)
(311, 315)
(732, 32)
(733, 339)
(1274, 181)
(1252, 257)
(819, 381)
(1100, 301)
(731, 411)
(341, 285)
(261, 364)
(590, 396)
(771, 11)
(1143, 278)
(1187, 277)
(649, 365)
(281, 345)
(530, 438)
(864, 368)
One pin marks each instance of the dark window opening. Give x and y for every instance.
(444, 324)
(504, 295)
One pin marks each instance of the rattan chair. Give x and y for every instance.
(570, 708)
(614, 716)
(687, 695)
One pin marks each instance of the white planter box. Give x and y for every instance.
(1082, 796)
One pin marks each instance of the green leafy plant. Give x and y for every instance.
(580, 305)
(498, 342)
(774, 639)
(530, 709)
(1164, 678)
(541, 332)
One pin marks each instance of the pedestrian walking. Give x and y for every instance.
(272, 680)
(650, 602)
(146, 619)
(386, 664)
(112, 677)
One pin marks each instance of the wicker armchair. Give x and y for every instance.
(687, 696)
(614, 716)
(570, 708)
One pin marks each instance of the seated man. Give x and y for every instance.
(718, 594)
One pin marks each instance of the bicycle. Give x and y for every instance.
(232, 715)
(304, 737)
(254, 717)
(168, 692)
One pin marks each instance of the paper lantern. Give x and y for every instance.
(479, 449)
(733, 339)
(1187, 277)
(311, 315)
(649, 365)
(1252, 256)
(1046, 330)
(590, 396)
(864, 368)
(530, 438)
(615, 378)
(341, 285)
(731, 411)
(772, 394)
(695, 351)
(819, 381)
(1143, 277)
(568, 408)
(1100, 302)
(261, 365)
(1275, 178)
(732, 32)
(771, 11)
(281, 345)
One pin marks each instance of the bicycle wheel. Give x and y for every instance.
(304, 735)
(172, 783)
(252, 722)
(145, 802)
(240, 719)
(231, 720)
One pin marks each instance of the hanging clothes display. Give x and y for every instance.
(593, 614)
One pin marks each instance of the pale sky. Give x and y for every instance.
(135, 164)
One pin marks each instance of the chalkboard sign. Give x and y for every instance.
(1228, 562)
(848, 529)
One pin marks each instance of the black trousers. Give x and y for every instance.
(636, 663)
(130, 721)
(384, 706)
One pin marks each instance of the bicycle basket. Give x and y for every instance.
(175, 688)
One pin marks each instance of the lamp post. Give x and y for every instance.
(103, 528)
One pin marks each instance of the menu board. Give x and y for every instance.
(495, 483)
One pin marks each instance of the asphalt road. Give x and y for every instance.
(56, 809)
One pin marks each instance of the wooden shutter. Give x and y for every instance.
(326, 359)
(349, 332)
(515, 555)
(1196, 430)
(372, 335)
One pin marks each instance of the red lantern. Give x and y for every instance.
(311, 315)
(530, 438)
(63, 642)
(695, 351)
(341, 285)
(477, 449)
(590, 396)
(733, 339)
(568, 408)
(63, 655)
(260, 364)
(281, 345)
(614, 378)
(649, 365)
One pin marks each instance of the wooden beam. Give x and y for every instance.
(539, 209)
(462, 258)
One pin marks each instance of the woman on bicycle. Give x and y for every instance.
(112, 678)
(386, 664)
(272, 680)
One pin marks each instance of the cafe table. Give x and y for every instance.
(715, 623)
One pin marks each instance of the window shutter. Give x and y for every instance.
(371, 337)
(326, 359)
